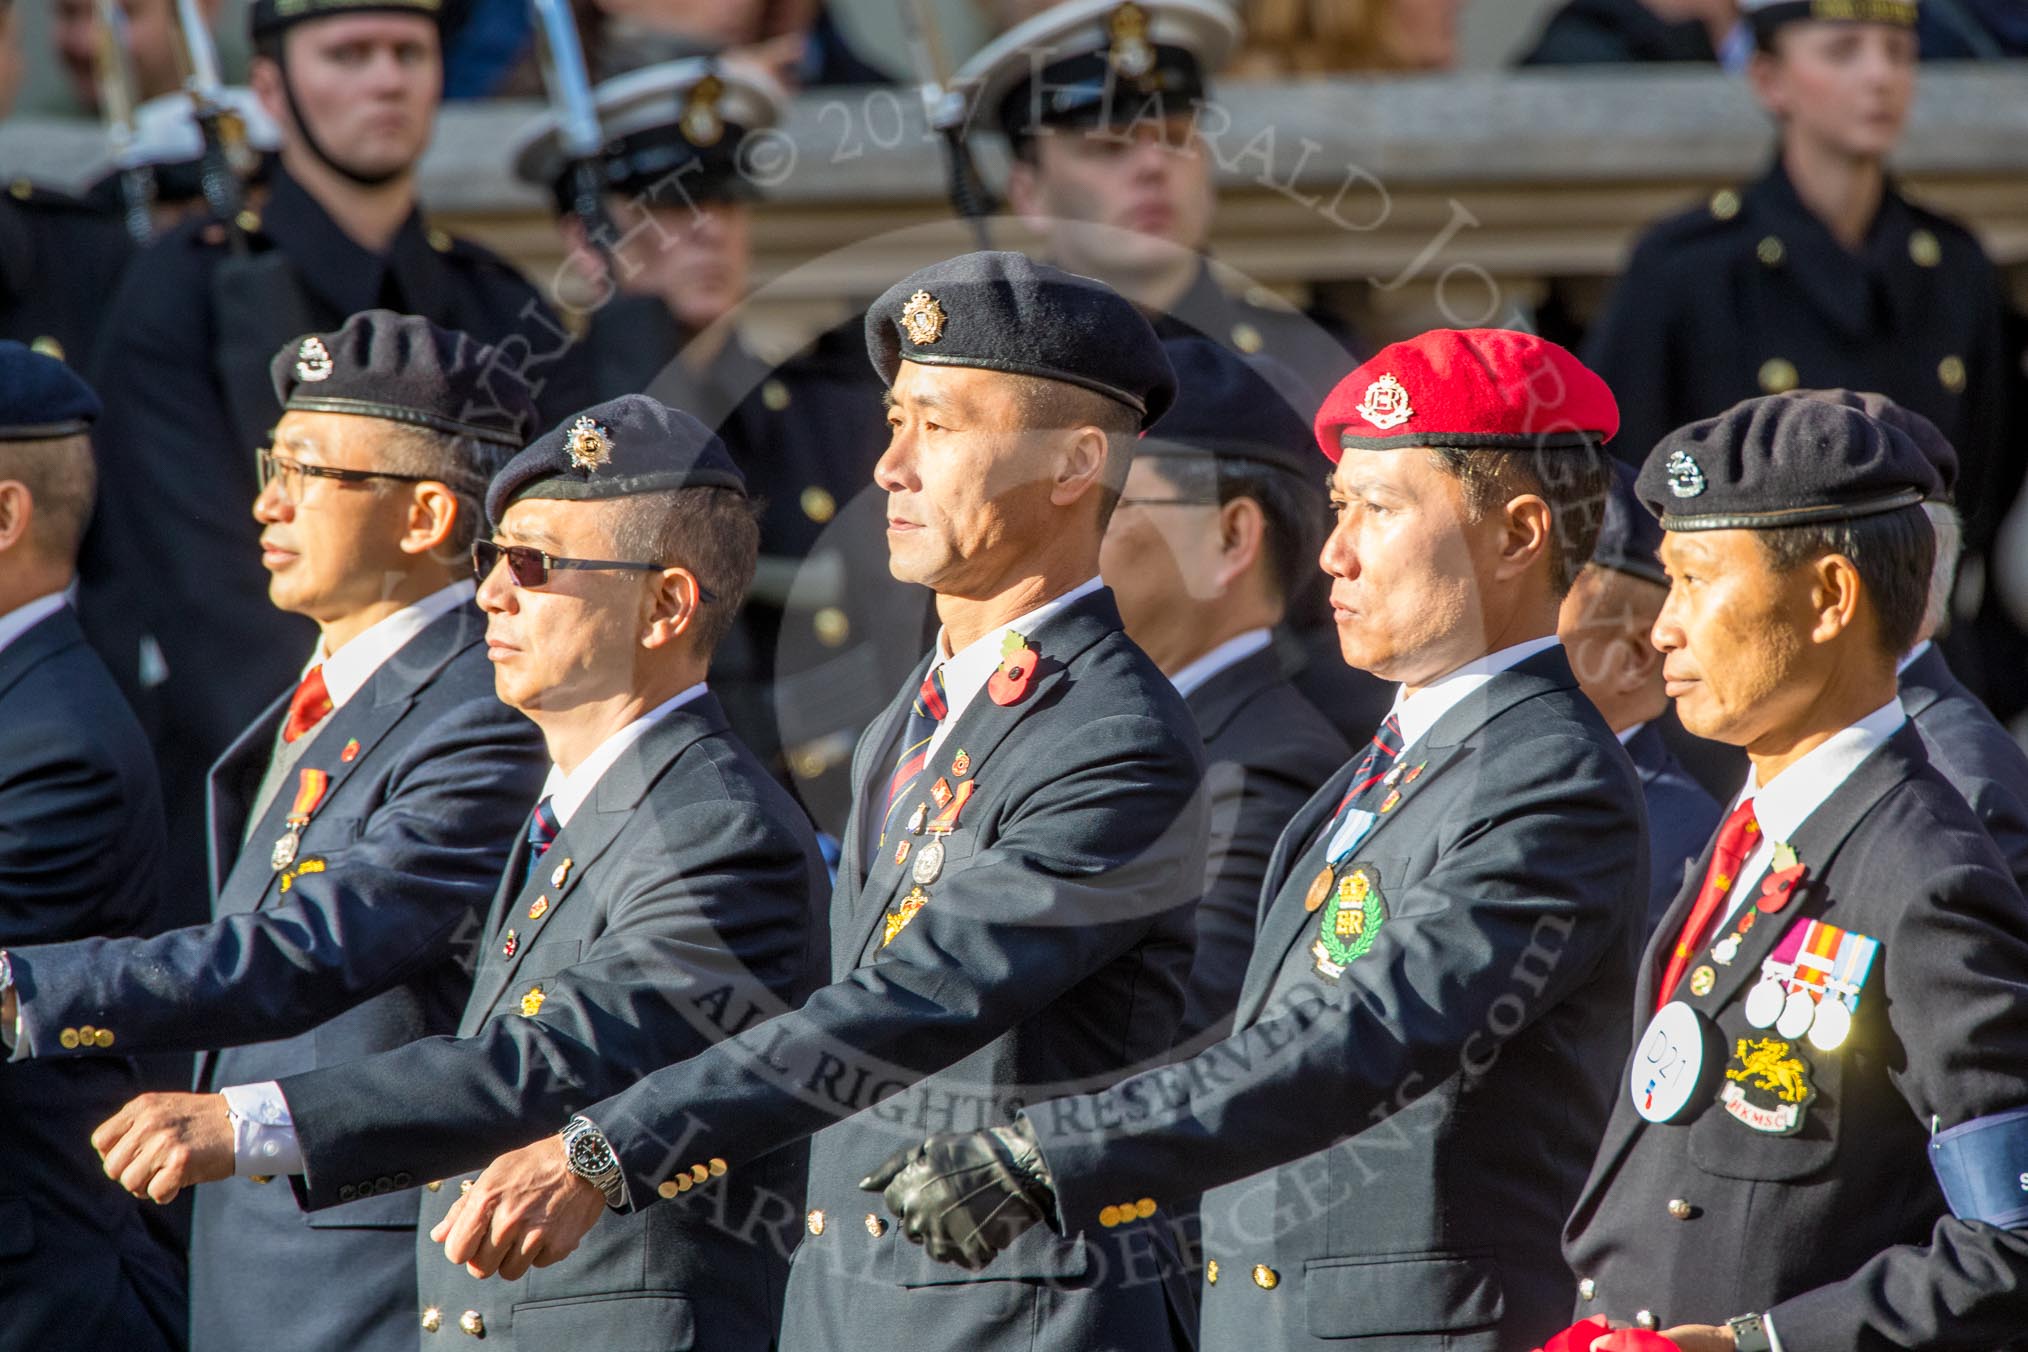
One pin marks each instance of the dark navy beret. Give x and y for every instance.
(1774, 461)
(1629, 537)
(40, 397)
(625, 446)
(1934, 445)
(405, 369)
(1231, 405)
(272, 16)
(1006, 312)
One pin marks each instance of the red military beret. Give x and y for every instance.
(1469, 388)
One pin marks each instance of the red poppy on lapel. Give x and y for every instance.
(1011, 679)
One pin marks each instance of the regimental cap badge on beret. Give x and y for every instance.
(589, 446)
(702, 125)
(313, 361)
(1128, 51)
(923, 318)
(1386, 404)
(1686, 480)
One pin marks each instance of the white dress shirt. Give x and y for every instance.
(27, 615)
(566, 792)
(1234, 649)
(1418, 713)
(966, 673)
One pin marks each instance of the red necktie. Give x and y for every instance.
(1736, 839)
(308, 706)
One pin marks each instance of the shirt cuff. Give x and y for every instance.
(263, 1133)
(1774, 1340)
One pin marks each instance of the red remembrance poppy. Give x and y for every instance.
(1010, 681)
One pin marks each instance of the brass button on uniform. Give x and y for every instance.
(774, 395)
(439, 240)
(1680, 1209)
(831, 626)
(1265, 1277)
(1951, 371)
(434, 1184)
(1247, 338)
(67, 1039)
(249, 221)
(21, 189)
(1211, 1272)
(87, 1036)
(666, 1189)
(1145, 1208)
(717, 1168)
(346, 1192)
(815, 1222)
(472, 1322)
(1645, 1319)
(48, 346)
(1770, 251)
(432, 1319)
(818, 504)
(875, 1226)
(1924, 248)
(1778, 375)
(699, 1172)
(1724, 204)
(1109, 1217)
(1587, 1289)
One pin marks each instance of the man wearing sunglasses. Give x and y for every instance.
(358, 827)
(663, 897)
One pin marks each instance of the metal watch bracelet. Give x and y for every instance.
(1749, 1334)
(607, 1179)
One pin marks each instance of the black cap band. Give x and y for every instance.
(1794, 516)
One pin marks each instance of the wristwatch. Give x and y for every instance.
(590, 1156)
(1749, 1334)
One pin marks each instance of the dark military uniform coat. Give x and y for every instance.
(1389, 1151)
(362, 944)
(59, 259)
(1969, 748)
(1049, 951)
(1681, 817)
(678, 903)
(80, 854)
(1839, 1229)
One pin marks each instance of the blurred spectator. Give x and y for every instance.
(152, 35)
(10, 57)
(1317, 36)
(1585, 32)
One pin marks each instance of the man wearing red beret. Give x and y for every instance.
(1432, 1019)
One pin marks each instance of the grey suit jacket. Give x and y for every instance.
(1969, 748)
(1050, 951)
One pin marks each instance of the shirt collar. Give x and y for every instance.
(1235, 649)
(1782, 806)
(1913, 656)
(1418, 713)
(966, 673)
(567, 792)
(347, 671)
(1627, 735)
(26, 616)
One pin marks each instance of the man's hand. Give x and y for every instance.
(1596, 1335)
(527, 1210)
(966, 1195)
(160, 1144)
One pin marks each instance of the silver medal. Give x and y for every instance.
(1726, 950)
(284, 853)
(929, 863)
(1764, 1003)
(1799, 1011)
(1831, 1026)
(917, 818)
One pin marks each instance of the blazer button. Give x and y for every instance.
(1265, 1277)
(1680, 1209)
(346, 1192)
(434, 1184)
(104, 1038)
(815, 1222)
(667, 1188)
(432, 1319)
(717, 1168)
(875, 1226)
(1587, 1289)
(1645, 1319)
(67, 1039)
(472, 1322)
(383, 1185)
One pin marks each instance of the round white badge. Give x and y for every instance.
(1764, 1003)
(1831, 1026)
(1668, 1063)
(1799, 1011)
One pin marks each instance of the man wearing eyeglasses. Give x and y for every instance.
(662, 899)
(358, 827)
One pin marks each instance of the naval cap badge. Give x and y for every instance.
(588, 444)
(1128, 51)
(701, 123)
(313, 361)
(1386, 404)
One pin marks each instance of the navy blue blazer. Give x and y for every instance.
(1390, 1142)
(681, 900)
(1681, 817)
(1049, 949)
(1969, 748)
(362, 944)
(80, 854)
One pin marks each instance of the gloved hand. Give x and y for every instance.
(966, 1195)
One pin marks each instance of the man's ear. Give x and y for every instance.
(672, 607)
(1835, 594)
(433, 515)
(1024, 190)
(1080, 466)
(17, 510)
(1242, 538)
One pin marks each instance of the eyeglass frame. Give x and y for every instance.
(504, 554)
(266, 458)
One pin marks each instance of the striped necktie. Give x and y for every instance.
(925, 715)
(543, 828)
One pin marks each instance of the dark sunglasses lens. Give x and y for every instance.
(485, 558)
(526, 565)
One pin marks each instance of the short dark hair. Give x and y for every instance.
(1893, 552)
(1049, 405)
(62, 481)
(714, 532)
(1574, 482)
(463, 464)
(1293, 510)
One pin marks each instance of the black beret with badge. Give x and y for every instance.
(1768, 16)
(1000, 311)
(1934, 445)
(41, 398)
(1629, 537)
(272, 16)
(1773, 462)
(405, 369)
(623, 447)
(674, 132)
(1230, 405)
(1091, 63)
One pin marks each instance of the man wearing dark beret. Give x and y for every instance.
(1837, 990)
(1605, 625)
(1425, 1038)
(1220, 523)
(1013, 906)
(1965, 743)
(183, 366)
(665, 892)
(80, 855)
(358, 826)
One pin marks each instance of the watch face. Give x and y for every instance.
(590, 1155)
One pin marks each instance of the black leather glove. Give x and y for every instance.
(966, 1195)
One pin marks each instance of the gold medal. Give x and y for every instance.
(1320, 888)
